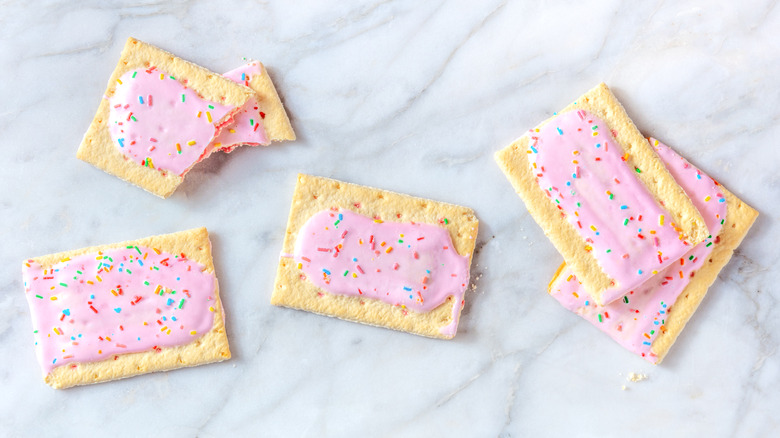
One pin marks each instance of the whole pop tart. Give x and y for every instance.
(602, 195)
(113, 311)
(649, 318)
(376, 257)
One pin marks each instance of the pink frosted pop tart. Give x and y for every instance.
(161, 115)
(649, 318)
(263, 112)
(376, 257)
(113, 311)
(602, 195)
(157, 118)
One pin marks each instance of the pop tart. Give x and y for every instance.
(376, 257)
(602, 195)
(114, 311)
(649, 318)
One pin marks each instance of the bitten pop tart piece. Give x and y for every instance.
(265, 103)
(157, 118)
(648, 319)
(113, 311)
(602, 195)
(376, 257)
(261, 120)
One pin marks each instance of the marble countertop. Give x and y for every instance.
(413, 97)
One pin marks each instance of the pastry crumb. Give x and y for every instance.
(637, 377)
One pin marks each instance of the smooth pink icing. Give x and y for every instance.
(579, 166)
(247, 128)
(156, 117)
(403, 264)
(636, 320)
(97, 305)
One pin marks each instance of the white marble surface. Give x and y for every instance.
(414, 97)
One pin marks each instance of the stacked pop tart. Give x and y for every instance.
(643, 233)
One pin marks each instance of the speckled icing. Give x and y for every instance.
(125, 300)
(247, 127)
(157, 121)
(411, 265)
(636, 320)
(584, 172)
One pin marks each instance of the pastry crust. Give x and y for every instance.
(276, 123)
(602, 103)
(211, 347)
(97, 147)
(739, 219)
(314, 194)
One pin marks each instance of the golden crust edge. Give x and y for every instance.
(276, 123)
(212, 86)
(739, 219)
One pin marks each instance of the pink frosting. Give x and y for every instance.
(411, 265)
(157, 121)
(583, 171)
(126, 300)
(636, 320)
(247, 128)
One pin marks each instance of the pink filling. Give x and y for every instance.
(119, 301)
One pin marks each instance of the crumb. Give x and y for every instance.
(636, 377)
(623, 388)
